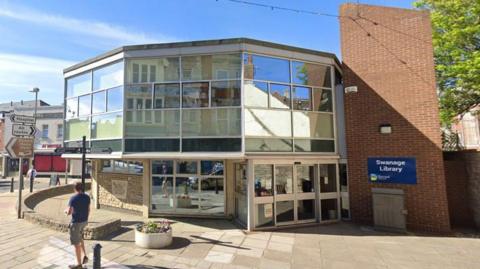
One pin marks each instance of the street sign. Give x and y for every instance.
(22, 119)
(20, 147)
(23, 130)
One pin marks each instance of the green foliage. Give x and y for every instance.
(456, 41)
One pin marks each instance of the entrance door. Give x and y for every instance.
(284, 195)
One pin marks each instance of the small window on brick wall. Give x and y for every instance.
(122, 166)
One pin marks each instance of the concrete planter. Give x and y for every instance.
(153, 240)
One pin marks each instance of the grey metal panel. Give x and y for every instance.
(340, 119)
(388, 208)
(183, 51)
(387, 191)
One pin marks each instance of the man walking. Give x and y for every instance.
(79, 208)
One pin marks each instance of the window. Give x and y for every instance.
(107, 125)
(99, 102)
(206, 67)
(75, 129)
(59, 131)
(138, 92)
(108, 77)
(115, 99)
(167, 95)
(44, 131)
(263, 175)
(122, 166)
(186, 167)
(72, 108)
(211, 122)
(266, 68)
(80, 84)
(302, 98)
(322, 100)
(279, 96)
(211, 168)
(311, 124)
(311, 74)
(256, 93)
(156, 123)
(226, 93)
(104, 145)
(268, 123)
(152, 145)
(195, 94)
(314, 145)
(84, 105)
(153, 70)
(211, 144)
(268, 145)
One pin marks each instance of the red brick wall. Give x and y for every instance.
(388, 54)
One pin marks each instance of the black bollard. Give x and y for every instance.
(97, 256)
(11, 185)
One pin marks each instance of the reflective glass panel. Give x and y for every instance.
(279, 96)
(204, 67)
(75, 129)
(115, 99)
(268, 145)
(328, 177)
(167, 95)
(72, 108)
(322, 100)
(256, 93)
(84, 105)
(226, 93)
(284, 211)
(186, 167)
(108, 77)
(211, 122)
(283, 179)
(211, 144)
(187, 195)
(156, 123)
(263, 174)
(107, 166)
(311, 124)
(262, 122)
(311, 145)
(153, 70)
(162, 193)
(302, 98)
(99, 102)
(212, 197)
(329, 209)
(305, 178)
(195, 94)
(226, 66)
(266, 68)
(138, 92)
(263, 215)
(152, 145)
(211, 168)
(104, 145)
(162, 167)
(311, 74)
(80, 84)
(107, 125)
(306, 209)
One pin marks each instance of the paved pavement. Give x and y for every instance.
(219, 244)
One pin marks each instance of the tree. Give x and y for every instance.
(456, 41)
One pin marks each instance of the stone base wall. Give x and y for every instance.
(120, 190)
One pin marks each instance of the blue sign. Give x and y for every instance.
(392, 170)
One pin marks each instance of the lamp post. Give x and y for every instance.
(34, 90)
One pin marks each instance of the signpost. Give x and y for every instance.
(20, 146)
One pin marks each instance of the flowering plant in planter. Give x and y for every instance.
(152, 227)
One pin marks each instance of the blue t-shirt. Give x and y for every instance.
(80, 203)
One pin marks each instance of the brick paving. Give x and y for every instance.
(24, 245)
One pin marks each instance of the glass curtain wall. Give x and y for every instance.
(187, 104)
(94, 107)
(288, 105)
(188, 187)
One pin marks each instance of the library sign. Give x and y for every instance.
(392, 170)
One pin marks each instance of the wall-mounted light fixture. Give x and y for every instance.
(351, 89)
(385, 128)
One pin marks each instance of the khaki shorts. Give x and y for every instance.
(76, 232)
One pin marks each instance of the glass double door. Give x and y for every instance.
(294, 194)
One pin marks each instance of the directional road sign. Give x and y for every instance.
(23, 130)
(20, 147)
(22, 119)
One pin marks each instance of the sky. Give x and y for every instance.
(38, 39)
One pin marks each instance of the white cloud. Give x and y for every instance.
(85, 27)
(19, 73)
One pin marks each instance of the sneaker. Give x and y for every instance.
(85, 260)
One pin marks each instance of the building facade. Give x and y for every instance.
(227, 128)
(49, 134)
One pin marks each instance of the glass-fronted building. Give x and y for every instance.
(235, 128)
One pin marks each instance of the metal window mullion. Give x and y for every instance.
(181, 104)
